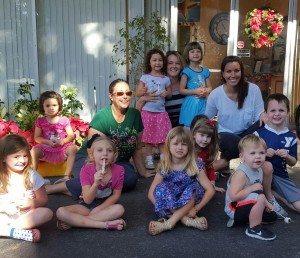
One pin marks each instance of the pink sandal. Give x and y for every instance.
(109, 226)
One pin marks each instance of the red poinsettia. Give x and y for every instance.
(80, 128)
(8, 127)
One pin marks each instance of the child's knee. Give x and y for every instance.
(60, 213)
(267, 168)
(119, 209)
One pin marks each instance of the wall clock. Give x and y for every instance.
(219, 28)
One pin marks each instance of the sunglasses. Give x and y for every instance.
(121, 93)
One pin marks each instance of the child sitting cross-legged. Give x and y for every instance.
(181, 188)
(245, 200)
(102, 183)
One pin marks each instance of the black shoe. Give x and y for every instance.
(260, 233)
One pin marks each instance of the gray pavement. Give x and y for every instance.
(218, 241)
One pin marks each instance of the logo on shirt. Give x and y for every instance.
(288, 142)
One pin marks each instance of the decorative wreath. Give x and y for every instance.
(263, 26)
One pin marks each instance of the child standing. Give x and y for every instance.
(282, 151)
(156, 121)
(245, 201)
(102, 183)
(194, 83)
(54, 135)
(22, 192)
(181, 188)
(205, 133)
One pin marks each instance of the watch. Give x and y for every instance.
(219, 28)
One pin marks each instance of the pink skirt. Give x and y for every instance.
(54, 155)
(156, 127)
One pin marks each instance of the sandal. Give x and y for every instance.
(109, 226)
(197, 222)
(156, 227)
(62, 225)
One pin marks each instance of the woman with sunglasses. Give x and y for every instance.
(123, 125)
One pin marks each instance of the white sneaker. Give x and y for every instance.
(149, 164)
(47, 182)
(278, 209)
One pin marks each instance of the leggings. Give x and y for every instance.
(229, 142)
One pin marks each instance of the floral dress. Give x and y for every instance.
(176, 190)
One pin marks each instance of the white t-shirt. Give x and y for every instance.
(230, 118)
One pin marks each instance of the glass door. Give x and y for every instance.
(264, 58)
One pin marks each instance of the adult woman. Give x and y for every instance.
(174, 66)
(239, 107)
(121, 123)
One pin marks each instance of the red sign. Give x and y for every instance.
(240, 44)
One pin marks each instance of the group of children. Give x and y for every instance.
(185, 178)
(194, 84)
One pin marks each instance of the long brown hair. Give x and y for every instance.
(206, 126)
(190, 164)
(243, 86)
(11, 144)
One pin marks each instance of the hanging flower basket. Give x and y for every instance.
(263, 26)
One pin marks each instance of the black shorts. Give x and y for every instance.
(241, 215)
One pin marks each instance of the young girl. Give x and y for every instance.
(155, 118)
(194, 83)
(54, 135)
(102, 183)
(181, 188)
(22, 192)
(205, 133)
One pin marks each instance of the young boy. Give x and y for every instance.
(282, 150)
(245, 200)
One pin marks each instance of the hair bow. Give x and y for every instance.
(209, 122)
(90, 141)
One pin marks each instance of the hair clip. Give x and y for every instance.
(90, 141)
(209, 122)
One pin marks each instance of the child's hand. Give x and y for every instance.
(282, 153)
(256, 187)
(269, 206)
(201, 92)
(192, 213)
(163, 94)
(98, 177)
(220, 189)
(30, 194)
(270, 152)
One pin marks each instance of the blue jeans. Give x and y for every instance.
(230, 141)
(74, 186)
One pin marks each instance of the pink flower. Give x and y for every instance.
(8, 127)
(277, 27)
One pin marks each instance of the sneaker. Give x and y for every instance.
(281, 213)
(230, 223)
(47, 182)
(149, 164)
(260, 233)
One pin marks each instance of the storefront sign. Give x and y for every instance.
(243, 52)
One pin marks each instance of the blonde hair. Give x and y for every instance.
(251, 140)
(209, 127)
(98, 138)
(11, 144)
(182, 135)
